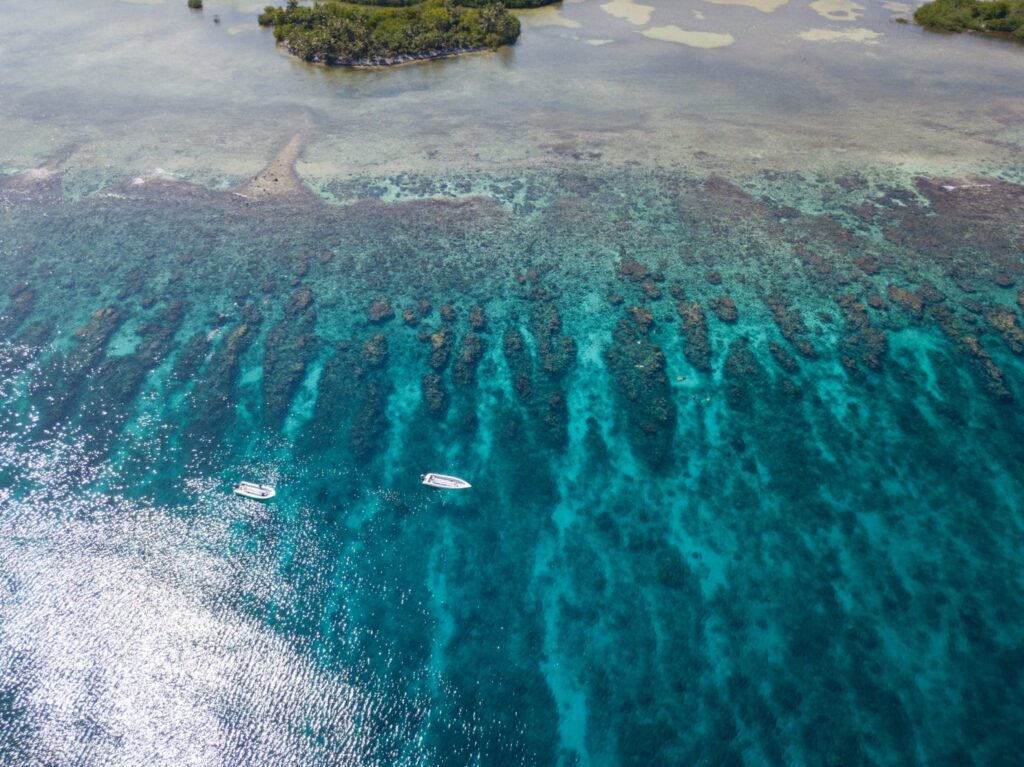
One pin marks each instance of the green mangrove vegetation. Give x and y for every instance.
(463, 3)
(996, 17)
(391, 31)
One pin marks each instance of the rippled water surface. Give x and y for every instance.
(738, 391)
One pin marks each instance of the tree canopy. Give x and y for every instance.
(987, 16)
(389, 31)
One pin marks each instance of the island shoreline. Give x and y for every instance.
(388, 62)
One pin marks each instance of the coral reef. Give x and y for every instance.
(379, 311)
(725, 309)
(477, 318)
(441, 342)
(785, 360)
(637, 365)
(18, 353)
(471, 349)
(191, 357)
(519, 363)
(289, 346)
(434, 394)
(1004, 320)
(791, 324)
(375, 351)
(911, 302)
(65, 377)
(22, 300)
(213, 396)
(119, 379)
(744, 376)
(862, 345)
(694, 327)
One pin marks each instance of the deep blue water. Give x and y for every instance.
(747, 463)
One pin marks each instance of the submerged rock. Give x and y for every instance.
(191, 357)
(213, 398)
(289, 347)
(637, 365)
(745, 379)
(118, 380)
(911, 302)
(351, 401)
(370, 423)
(868, 265)
(785, 360)
(725, 309)
(519, 364)
(441, 342)
(375, 351)
(994, 378)
(336, 396)
(652, 291)
(789, 389)
(18, 354)
(300, 300)
(1005, 321)
(557, 353)
(694, 328)
(633, 271)
(135, 281)
(434, 394)
(862, 345)
(468, 358)
(993, 375)
(791, 324)
(380, 311)
(158, 335)
(555, 416)
(477, 320)
(930, 294)
(300, 266)
(22, 301)
(66, 377)
(1003, 279)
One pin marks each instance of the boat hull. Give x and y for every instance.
(445, 482)
(254, 491)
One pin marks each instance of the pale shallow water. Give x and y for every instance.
(138, 87)
(792, 536)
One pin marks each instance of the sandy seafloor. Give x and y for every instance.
(727, 335)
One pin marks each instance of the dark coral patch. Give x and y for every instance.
(725, 309)
(638, 367)
(379, 311)
(694, 327)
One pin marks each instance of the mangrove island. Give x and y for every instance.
(384, 32)
(1004, 18)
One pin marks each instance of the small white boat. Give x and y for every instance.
(445, 482)
(254, 491)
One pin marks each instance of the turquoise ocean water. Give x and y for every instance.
(729, 341)
(746, 462)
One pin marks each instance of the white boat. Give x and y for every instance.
(254, 491)
(444, 482)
